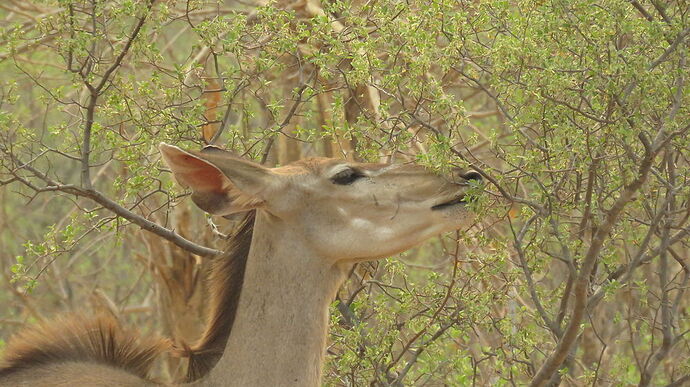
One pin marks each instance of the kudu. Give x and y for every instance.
(310, 222)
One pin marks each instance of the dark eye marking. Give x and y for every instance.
(346, 176)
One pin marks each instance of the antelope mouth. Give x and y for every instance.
(462, 199)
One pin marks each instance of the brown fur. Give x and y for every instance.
(78, 338)
(225, 284)
(73, 339)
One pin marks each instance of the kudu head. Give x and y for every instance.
(342, 210)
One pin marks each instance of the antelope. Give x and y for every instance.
(308, 223)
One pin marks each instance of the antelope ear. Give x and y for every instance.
(221, 184)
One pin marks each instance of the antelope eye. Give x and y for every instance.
(346, 176)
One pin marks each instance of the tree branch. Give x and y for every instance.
(554, 361)
(95, 92)
(110, 205)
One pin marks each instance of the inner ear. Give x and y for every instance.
(216, 190)
(197, 174)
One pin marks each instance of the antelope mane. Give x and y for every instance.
(77, 338)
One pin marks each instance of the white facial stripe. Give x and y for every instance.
(367, 225)
(362, 223)
(384, 232)
(367, 172)
(382, 170)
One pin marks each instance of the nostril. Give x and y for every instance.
(472, 175)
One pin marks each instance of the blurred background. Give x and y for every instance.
(574, 272)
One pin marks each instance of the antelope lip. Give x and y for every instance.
(457, 200)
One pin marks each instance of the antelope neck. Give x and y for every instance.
(279, 335)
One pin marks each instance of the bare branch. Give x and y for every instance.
(293, 109)
(555, 329)
(666, 313)
(641, 9)
(680, 382)
(556, 358)
(661, 59)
